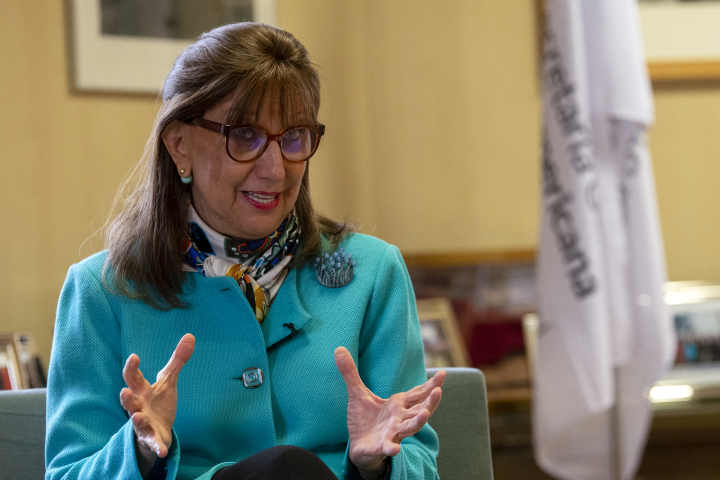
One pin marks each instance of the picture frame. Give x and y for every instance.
(682, 39)
(125, 64)
(10, 378)
(441, 337)
(31, 369)
(20, 365)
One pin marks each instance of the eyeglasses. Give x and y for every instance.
(245, 143)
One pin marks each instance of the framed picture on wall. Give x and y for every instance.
(441, 339)
(682, 38)
(129, 46)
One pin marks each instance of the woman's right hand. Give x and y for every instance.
(152, 408)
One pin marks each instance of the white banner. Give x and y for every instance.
(603, 322)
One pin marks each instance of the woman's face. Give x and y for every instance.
(242, 199)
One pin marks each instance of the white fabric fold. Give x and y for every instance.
(605, 333)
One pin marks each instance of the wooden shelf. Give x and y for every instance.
(679, 71)
(468, 258)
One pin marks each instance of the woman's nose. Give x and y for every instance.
(270, 164)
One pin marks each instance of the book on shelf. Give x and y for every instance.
(20, 365)
(698, 334)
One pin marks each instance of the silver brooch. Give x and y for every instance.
(336, 269)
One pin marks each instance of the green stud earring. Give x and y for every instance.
(186, 180)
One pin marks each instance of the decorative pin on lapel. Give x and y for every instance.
(335, 270)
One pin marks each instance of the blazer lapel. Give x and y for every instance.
(287, 314)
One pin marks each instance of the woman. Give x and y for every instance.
(217, 237)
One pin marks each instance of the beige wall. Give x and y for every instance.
(62, 157)
(432, 144)
(685, 144)
(434, 119)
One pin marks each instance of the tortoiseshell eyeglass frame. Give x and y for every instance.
(225, 130)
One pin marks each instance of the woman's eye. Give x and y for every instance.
(246, 134)
(294, 134)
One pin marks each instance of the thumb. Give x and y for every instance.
(182, 353)
(184, 349)
(346, 366)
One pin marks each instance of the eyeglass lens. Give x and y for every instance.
(297, 144)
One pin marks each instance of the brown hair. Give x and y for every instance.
(242, 61)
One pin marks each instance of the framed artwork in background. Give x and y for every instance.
(129, 46)
(9, 369)
(20, 365)
(441, 338)
(682, 39)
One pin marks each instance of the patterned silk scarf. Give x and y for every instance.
(257, 265)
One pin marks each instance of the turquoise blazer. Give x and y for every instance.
(302, 400)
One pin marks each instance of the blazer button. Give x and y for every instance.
(252, 377)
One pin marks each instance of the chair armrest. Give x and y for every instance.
(461, 422)
(22, 433)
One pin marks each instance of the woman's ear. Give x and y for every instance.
(177, 145)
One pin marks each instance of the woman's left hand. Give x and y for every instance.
(377, 425)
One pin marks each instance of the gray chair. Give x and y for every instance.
(22, 434)
(461, 421)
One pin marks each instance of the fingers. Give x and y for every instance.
(390, 448)
(153, 445)
(130, 401)
(162, 450)
(132, 374)
(424, 411)
(421, 392)
(430, 403)
(433, 400)
(413, 425)
(346, 366)
(147, 435)
(140, 421)
(182, 353)
(185, 348)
